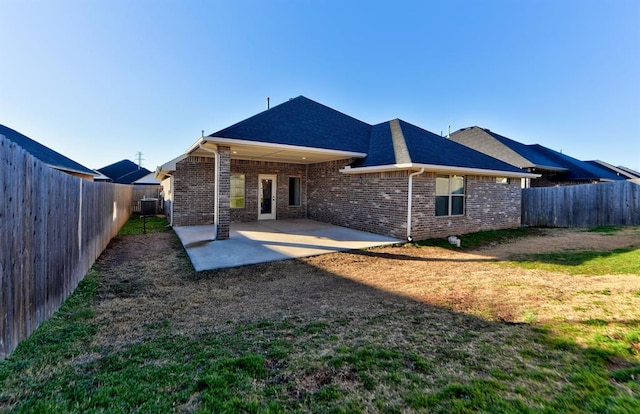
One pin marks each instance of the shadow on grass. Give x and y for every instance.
(288, 336)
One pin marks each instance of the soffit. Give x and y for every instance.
(275, 152)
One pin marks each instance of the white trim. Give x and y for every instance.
(449, 169)
(231, 141)
(274, 195)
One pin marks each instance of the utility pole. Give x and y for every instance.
(139, 158)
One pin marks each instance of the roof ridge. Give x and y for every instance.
(400, 149)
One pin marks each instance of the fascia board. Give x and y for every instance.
(439, 168)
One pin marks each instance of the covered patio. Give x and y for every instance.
(271, 240)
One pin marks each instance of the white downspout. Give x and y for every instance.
(409, 199)
(216, 182)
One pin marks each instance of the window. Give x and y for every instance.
(449, 195)
(295, 183)
(236, 197)
(502, 180)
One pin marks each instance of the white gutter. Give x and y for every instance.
(216, 183)
(409, 199)
(438, 169)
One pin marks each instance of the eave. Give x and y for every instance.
(271, 152)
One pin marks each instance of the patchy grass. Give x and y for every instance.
(606, 229)
(395, 329)
(613, 262)
(482, 238)
(140, 225)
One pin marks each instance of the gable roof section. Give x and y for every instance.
(304, 123)
(423, 148)
(45, 154)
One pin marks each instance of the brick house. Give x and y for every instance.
(555, 168)
(302, 159)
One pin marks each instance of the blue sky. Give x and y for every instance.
(101, 80)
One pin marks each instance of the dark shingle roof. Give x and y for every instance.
(531, 155)
(132, 176)
(124, 172)
(577, 170)
(302, 122)
(425, 147)
(537, 158)
(43, 153)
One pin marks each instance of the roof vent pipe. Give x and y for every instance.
(409, 199)
(268, 103)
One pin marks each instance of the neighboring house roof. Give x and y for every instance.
(401, 143)
(630, 171)
(124, 172)
(506, 149)
(620, 170)
(148, 179)
(133, 176)
(577, 170)
(533, 156)
(98, 176)
(304, 123)
(45, 154)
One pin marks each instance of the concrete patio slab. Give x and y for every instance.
(268, 241)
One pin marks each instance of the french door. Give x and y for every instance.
(266, 197)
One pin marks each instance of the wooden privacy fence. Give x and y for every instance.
(587, 205)
(53, 227)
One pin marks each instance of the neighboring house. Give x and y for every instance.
(555, 168)
(626, 173)
(48, 156)
(302, 159)
(148, 179)
(124, 172)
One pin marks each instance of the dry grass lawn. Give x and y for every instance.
(391, 329)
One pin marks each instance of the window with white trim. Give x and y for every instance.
(449, 195)
(236, 196)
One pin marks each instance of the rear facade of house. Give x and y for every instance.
(302, 159)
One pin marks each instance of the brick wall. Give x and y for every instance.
(251, 170)
(378, 203)
(488, 205)
(369, 202)
(194, 190)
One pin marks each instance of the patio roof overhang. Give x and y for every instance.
(270, 152)
(444, 169)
